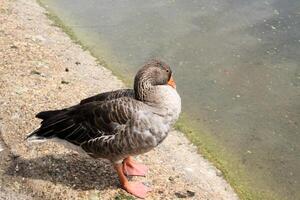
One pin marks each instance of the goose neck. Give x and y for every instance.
(142, 88)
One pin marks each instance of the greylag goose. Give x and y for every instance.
(119, 124)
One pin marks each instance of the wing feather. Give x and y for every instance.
(81, 123)
(109, 96)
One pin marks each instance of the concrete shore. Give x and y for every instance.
(40, 69)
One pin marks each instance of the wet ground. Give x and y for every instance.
(237, 67)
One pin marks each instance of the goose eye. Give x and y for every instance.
(167, 70)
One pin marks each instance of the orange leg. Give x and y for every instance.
(137, 189)
(132, 168)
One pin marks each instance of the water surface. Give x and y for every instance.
(237, 68)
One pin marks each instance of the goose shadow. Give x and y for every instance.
(77, 172)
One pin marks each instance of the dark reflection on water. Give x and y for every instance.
(236, 63)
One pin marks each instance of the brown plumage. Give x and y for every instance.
(115, 125)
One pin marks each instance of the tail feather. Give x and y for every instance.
(48, 114)
(53, 120)
(59, 124)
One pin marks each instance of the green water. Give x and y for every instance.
(237, 68)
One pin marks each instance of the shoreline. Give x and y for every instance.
(35, 78)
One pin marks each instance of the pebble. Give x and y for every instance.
(180, 195)
(35, 72)
(219, 173)
(190, 193)
(13, 47)
(171, 179)
(94, 196)
(38, 38)
(64, 82)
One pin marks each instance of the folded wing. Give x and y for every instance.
(109, 96)
(88, 121)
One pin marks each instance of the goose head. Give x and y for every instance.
(154, 73)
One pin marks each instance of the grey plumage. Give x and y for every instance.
(120, 123)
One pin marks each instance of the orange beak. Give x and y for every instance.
(172, 83)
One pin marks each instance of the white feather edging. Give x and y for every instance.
(36, 139)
